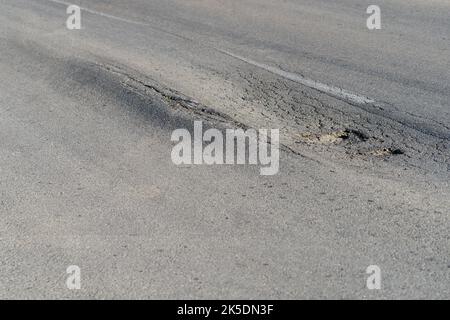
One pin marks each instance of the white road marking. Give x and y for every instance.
(334, 91)
(331, 90)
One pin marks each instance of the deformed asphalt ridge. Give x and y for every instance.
(87, 179)
(372, 131)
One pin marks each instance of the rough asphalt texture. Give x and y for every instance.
(87, 179)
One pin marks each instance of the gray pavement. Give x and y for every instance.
(86, 176)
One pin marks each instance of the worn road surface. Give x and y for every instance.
(86, 176)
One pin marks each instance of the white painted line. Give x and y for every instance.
(101, 13)
(105, 15)
(331, 90)
(335, 91)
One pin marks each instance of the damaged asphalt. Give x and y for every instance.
(87, 179)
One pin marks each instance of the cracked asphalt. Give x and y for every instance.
(86, 176)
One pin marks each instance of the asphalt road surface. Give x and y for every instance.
(86, 176)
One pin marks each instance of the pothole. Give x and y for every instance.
(335, 137)
(385, 152)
